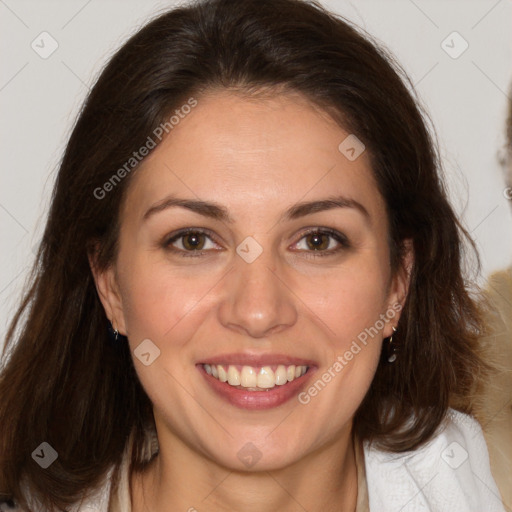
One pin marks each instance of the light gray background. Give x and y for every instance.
(39, 99)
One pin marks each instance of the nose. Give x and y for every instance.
(257, 300)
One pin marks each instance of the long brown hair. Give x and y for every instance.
(64, 383)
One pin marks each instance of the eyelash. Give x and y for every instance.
(339, 237)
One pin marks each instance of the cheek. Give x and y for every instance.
(348, 301)
(158, 300)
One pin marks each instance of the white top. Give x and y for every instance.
(450, 473)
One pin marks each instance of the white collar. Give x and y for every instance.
(449, 473)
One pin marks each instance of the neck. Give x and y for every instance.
(181, 479)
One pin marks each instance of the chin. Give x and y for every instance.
(254, 454)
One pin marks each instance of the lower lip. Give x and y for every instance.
(257, 400)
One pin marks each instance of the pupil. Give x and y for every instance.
(193, 240)
(317, 240)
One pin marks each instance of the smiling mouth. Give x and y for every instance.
(255, 378)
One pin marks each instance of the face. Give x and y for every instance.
(271, 281)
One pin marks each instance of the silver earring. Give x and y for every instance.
(392, 350)
(113, 333)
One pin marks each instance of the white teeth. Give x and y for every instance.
(280, 375)
(248, 378)
(255, 378)
(266, 378)
(223, 375)
(233, 376)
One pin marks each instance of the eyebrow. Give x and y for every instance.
(215, 211)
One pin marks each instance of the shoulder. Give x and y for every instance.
(450, 472)
(96, 501)
(113, 493)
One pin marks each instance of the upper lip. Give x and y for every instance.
(248, 359)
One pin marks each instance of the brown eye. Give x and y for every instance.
(190, 242)
(317, 241)
(193, 241)
(322, 242)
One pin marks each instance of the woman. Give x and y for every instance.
(249, 291)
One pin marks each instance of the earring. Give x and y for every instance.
(113, 333)
(391, 349)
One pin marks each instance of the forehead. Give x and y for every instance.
(263, 151)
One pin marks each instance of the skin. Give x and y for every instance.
(255, 157)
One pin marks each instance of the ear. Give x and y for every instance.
(108, 290)
(399, 287)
